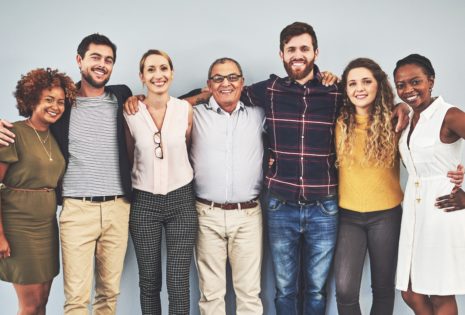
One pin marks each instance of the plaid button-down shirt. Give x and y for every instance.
(300, 121)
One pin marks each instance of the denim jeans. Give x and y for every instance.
(310, 230)
(378, 232)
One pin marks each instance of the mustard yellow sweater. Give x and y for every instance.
(366, 188)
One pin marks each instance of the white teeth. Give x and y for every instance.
(51, 113)
(411, 98)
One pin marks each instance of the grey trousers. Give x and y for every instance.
(176, 214)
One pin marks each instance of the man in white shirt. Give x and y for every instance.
(227, 155)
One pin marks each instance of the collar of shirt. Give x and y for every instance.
(430, 110)
(213, 105)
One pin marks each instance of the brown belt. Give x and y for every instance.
(45, 189)
(230, 206)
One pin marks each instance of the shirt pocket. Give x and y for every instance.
(423, 149)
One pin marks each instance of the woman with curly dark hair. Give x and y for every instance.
(30, 170)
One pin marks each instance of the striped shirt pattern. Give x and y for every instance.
(300, 121)
(93, 168)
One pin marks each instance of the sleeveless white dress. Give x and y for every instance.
(432, 242)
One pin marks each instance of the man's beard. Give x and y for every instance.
(300, 74)
(88, 78)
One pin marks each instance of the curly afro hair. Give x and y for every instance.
(29, 89)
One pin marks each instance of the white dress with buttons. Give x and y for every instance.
(432, 242)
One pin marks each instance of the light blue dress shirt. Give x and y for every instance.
(227, 152)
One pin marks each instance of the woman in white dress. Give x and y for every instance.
(431, 262)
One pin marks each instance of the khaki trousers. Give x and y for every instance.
(235, 235)
(93, 234)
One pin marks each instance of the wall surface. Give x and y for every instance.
(46, 34)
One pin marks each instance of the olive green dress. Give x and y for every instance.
(29, 217)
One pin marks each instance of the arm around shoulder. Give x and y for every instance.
(6, 136)
(8, 154)
(126, 91)
(255, 94)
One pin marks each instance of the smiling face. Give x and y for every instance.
(226, 93)
(50, 108)
(298, 56)
(361, 88)
(96, 66)
(414, 86)
(157, 74)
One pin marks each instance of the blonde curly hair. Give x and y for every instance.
(381, 141)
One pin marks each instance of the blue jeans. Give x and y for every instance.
(310, 229)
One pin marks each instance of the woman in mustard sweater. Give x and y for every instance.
(369, 188)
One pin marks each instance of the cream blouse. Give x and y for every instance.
(152, 174)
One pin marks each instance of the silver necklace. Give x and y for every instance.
(42, 141)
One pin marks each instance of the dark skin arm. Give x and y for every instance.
(5, 250)
(453, 129)
(451, 202)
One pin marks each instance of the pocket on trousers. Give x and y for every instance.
(328, 207)
(253, 211)
(274, 204)
(67, 211)
(202, 209)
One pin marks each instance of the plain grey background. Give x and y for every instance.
(46, 34)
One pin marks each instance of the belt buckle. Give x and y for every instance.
(305, 202)
(96, 198)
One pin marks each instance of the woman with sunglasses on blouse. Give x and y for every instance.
(158, 136)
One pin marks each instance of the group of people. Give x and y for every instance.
(156, 163)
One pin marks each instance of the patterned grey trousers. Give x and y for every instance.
(175, 212)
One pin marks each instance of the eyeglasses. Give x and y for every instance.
(232, 77)
(158, 148)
